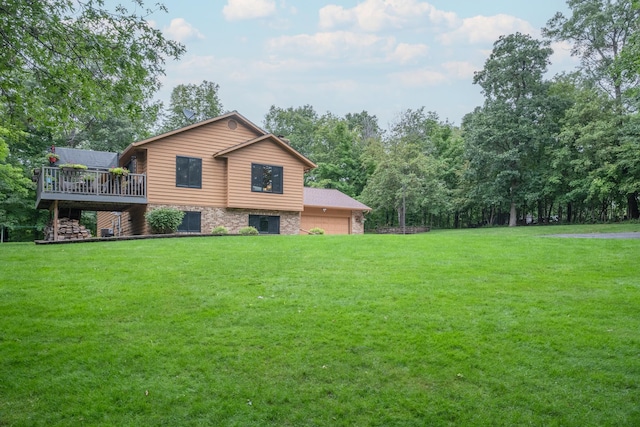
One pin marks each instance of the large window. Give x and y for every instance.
(265, 224)
(190, 223)
(188, 172)
(266, 178)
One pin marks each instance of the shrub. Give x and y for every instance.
(316, 230)
(220, 230)
(72, 166)
(119, 171)
(248, 231)
(164, 220)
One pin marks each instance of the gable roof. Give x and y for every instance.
(271, 137)
(233, 114)
(331, 198)
(91, 159)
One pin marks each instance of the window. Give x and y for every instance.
(265, 224)
(266, 178)
(190, 223)
(188, 172)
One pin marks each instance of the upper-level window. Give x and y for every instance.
(266, 178)
(188, 172)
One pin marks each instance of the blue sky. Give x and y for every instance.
(346, 56)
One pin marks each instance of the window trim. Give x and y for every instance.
(191, 161)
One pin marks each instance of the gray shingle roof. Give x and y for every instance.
(330, 198)
(91, 159)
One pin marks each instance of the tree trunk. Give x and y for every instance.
(633, 211)
(569, 213)
(512, 215)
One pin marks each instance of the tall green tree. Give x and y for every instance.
(299, 125)
(406, 180)
(598, 31)
(61, 60)
(338, 156)
(504, 134)
(192, 103)
(604, 35)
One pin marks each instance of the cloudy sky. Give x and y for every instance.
(346, 56)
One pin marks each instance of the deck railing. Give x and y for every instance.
(91, 183)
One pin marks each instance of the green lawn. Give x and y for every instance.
(499, 327)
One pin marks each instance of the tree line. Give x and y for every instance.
(560, 149)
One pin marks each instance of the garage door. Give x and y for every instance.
(330, 225)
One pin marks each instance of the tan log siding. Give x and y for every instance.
(121, 226)
(203, 143)
(103, 220)
(239, 178)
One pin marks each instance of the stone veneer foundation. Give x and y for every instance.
(235, 219)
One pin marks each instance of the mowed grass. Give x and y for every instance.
(499, 327)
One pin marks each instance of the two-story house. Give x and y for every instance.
(222, 171)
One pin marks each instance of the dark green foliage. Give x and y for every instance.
(164, 220)
(80, 56)
(200, 100)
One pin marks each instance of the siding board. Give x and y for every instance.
(202, 142)
(239, 178)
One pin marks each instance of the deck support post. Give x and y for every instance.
(55, 220)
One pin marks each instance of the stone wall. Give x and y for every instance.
(235, 219)
(357, 222)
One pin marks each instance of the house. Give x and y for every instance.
(222, 171)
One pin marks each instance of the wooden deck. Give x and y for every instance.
(89, 189)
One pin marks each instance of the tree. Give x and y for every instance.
(599, 31)
(505, 131)
(406, 178)
(299, 125)
(192, 103)
(15, 187)
(604, 36)
(61, 60)
(338, 157)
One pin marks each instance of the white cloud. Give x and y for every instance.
(181, 30)
(333, 45)
(460, 69)
(347, 46)
(237, 10)
(376, 15)
(419, 77)
(405, 53)
(487, 29)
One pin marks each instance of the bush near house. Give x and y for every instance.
(164, 220)
(248, 231)
(220, 230)
(316, 230)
